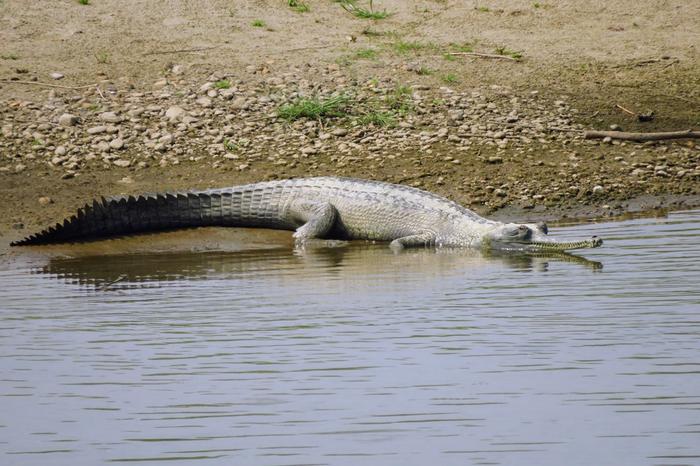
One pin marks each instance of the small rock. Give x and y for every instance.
(68, 119)
(177, 69)
(204, 102)
(166, 139)
(160, 84)
(56, 75)
(174, 114)
(615, 128)
(499, 135)
(45, 200)
(607, 140)
(110, 117)
(97, 129)
(495, 159)
(340, 132)
(103, 146)
(227, 93)
(117, 143)
(598, 189)
(121, 163)
(60, 151)
(240, 103)
(126, 180)
(20, 167)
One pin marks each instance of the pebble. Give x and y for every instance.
(204, 102)
(239, 103)
(174, 113)
(166, 139)
(340, 132)
(68, 119)
(103, 146)
(110, 117)
(97, 130)
(45, 200)
(598, 189)
(116, 144)
(56, 75)
(121, 163)
(60, 151)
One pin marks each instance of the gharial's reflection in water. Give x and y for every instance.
(352, 261)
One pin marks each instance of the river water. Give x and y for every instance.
(355, 355)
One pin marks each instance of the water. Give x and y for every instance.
(355, 355)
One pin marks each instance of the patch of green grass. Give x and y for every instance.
(508, 53)
(258, 23)
(222, 84)
(84, 2)
(466, 47)
(10, 56)
(449, 57)
(483, 9)
(299, 7)
(102, 57)
(403, 46)
(230, 145)
(351, 7)
(424, 71)
(366, 54)
(314, 108)
(400, 100)
(377, 118)
(450, 78)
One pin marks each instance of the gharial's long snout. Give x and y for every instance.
(560, 246)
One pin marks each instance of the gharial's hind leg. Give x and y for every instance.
(413, 241)
(318, 218)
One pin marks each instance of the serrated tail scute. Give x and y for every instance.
(120, 215)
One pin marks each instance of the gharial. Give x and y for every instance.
(325, 207)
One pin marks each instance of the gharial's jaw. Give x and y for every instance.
(557, 246)
(547, 245)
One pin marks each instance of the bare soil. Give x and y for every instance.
(591, 55)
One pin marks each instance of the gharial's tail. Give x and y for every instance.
(155, 212)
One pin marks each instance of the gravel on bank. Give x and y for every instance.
(488, 148)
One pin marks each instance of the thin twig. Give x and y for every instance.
(687, 134)
(196, 49)
(483, 55)
(99, 91)
(625, 110)
(37, 83)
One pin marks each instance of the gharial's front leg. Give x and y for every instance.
(318, 218)
(424, 239)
